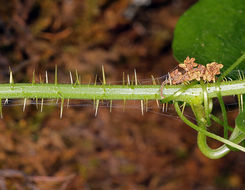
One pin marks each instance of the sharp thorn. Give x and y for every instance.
(6, 101)
(95, 80)
(170, 80)
(1, 109)
(24, 105)
(239, 74)
(142, 106)
(123, 78)
(153, 80)
(103, 75)
(230, 79)
(163, 107)
(11, 79)
(97, 107)
(157, 103)
(110, 105)
(61, 107)
(135, 77)
(33, 77)
(71, 77)
(128, 79)
(77, 78)
(37, 103)
(41, 105)
(56, 75)
(46, 77)
(68, 102)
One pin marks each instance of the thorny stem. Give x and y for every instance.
(118, 92)
(199, 96)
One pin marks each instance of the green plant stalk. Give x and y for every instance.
(217, 120)
(193, 94)
(232, 67)
(235, 138)
(224, 114)
(118, 92)
(207, 102)
(201, 138)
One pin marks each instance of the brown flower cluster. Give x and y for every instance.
(194, 71)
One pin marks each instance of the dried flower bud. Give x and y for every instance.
(176, 77)
(194, 71)
(214, 68)
(188, 64)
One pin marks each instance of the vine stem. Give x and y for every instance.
(191, 95)
(232, 67)
(236, 136)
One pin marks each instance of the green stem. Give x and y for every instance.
(217, 153)
(217, 120)
(179, 92)
(206, 103)
(224, 114)
(206, 150)
(118, 92)
(201, 138)
(232, 67)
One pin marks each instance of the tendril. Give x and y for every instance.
(206, 103)
(223, 110)
(205, 149)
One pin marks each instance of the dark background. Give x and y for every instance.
(118, 150)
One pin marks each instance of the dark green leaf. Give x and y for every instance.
(212, 30)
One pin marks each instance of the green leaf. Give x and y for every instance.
(212, 30)
(240, 122)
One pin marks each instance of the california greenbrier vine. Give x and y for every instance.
(202, 33)
(198, 96)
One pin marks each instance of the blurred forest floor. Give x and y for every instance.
(118, 150)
